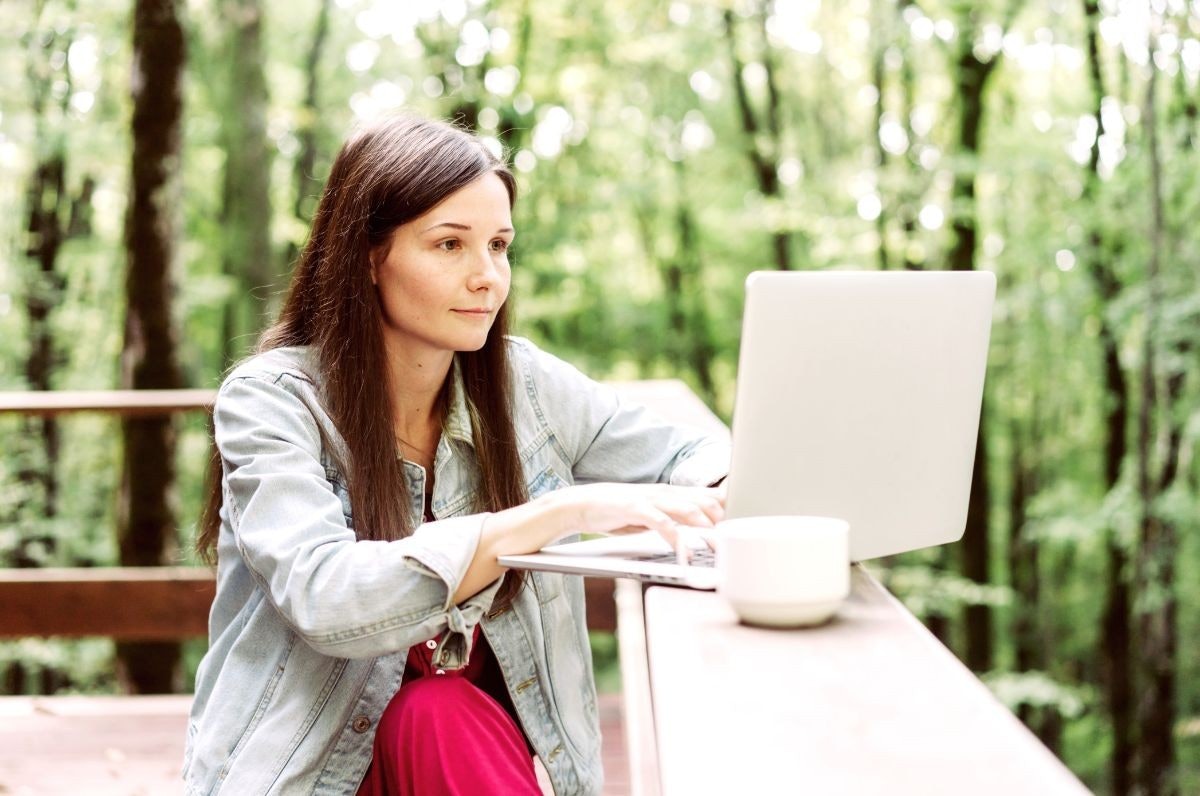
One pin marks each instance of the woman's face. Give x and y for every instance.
(444, 275)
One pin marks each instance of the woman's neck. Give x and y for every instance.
(416, 384)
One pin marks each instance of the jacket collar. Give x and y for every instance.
(460, 419)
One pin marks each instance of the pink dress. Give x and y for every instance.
(450, 733)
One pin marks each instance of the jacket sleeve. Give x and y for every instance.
(344, 597)
(608, 439)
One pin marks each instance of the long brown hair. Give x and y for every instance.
(386, 175)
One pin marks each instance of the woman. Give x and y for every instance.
(389, 441)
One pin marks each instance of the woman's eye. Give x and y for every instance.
(449, 245)
(500, 245)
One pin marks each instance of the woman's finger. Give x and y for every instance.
(685, 512)
(713, 508)
(618, 508)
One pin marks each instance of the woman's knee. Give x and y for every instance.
(426, 702)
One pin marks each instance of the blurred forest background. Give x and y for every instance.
(159, 162)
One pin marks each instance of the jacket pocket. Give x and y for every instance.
(545, 481)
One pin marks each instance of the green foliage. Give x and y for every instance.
(929, 592)
(1039, 690)
(605, 662)
(89, 663)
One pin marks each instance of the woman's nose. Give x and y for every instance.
(484, 271)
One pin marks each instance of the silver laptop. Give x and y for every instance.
(858, 396)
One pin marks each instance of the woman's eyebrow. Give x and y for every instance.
(450, 224)
(464, 227)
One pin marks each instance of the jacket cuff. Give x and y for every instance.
(706, 466)
(446, 550)
(454, 650)
(447, 547)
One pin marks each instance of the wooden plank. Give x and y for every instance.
(673, 399)
(601, 608)
(119, 746)
(870, 703)
(635, 691)
(127, 403)
(126, 603)
(151, 603)
(668, 397)
(105, 746)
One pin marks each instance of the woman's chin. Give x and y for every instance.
(473, 344)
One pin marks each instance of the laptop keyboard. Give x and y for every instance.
(701, 557)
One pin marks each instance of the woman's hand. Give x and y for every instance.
(592, 508)
(627, 508)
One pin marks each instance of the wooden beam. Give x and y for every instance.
(125, 603)
(601, 605)
(669, 397)
(127, 403)
(150, 603)
(133, 744)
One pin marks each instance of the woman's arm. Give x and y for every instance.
(343, 597)
(594, 508)
(606, 439)
(361, 599)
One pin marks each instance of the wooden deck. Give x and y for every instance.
(133, 746)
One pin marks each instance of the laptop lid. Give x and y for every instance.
(859, 396)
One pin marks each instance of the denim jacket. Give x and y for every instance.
(310, 628)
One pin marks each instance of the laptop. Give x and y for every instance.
(858, 396)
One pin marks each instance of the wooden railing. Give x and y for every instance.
(126, 403)
(124, 603)
(140, 603)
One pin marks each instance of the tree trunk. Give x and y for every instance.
(145, 510)
(695, 326)
(765, 165)
(1157, 540)
(1022, 561)
(1189, 110)
(910, 195)
(1116, 667)
(43, 293)
(514, 127)
(308, 186)
(976, 556)
(246, 200)
(972, 75)
(1033, 651)
(879, 44)
(53, 217)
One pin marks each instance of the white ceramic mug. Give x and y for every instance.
(783, 571)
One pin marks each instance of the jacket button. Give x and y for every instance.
(361, 724)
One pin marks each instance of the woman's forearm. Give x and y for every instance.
(522, 529)
(594, 508)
